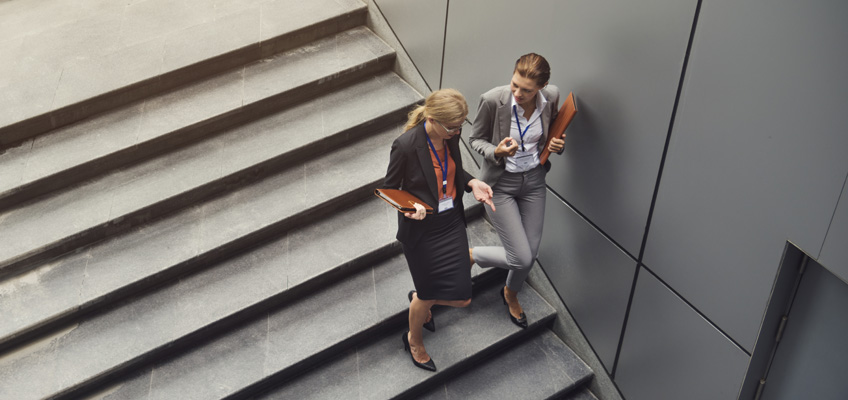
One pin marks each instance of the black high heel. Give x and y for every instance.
(521, 320)
(429, 365)
(429, 325)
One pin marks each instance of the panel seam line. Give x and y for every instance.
(671, 121)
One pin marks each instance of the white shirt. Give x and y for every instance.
(529, 158)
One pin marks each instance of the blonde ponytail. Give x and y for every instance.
(445, 105)
(414, 118)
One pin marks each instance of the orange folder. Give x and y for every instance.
(566, 114)
(401, 200)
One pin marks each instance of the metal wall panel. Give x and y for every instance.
(592, 275)
(834, 254)
(623, 61)
(810, 361)
(757, 155)
(671, 352)
(420, 26)
(779, 302)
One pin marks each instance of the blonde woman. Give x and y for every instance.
(425, 161)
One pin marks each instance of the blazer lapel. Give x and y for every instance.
(504, 114)
(423, 150)
(546, 121)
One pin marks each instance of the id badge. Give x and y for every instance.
(525, 160)
(445, 203)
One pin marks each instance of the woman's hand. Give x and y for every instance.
(556, 145)
(419, 214)
(482, 192)
(506, 148)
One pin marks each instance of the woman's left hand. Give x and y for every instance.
(482, 192)
(419, 214)
(556, 145)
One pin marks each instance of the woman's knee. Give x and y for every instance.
(463, 303)
(522, 261)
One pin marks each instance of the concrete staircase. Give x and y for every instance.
(209, 231)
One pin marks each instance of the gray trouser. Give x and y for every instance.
(520, 213)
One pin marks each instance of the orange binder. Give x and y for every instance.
(401, 200)
(566, 114)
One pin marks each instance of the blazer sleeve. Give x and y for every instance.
(465, 179)
(462, 176)
(553, 100)
(482, 130)
(396, 170)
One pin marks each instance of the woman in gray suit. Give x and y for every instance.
(510, 131)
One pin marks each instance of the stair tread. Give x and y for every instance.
(92, 277)
(382, 369)
(143, 324)
(538, 368)
(339, 312)
(60, 286)
(159, 116)
(90, 47)
(582, 394)
(108, 198)
(215, 222)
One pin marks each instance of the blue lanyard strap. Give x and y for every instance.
(444, 167)
(520, 132)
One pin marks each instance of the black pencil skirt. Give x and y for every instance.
(439, 262)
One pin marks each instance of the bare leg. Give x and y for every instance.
(418, 312)
(512, 301)
(452, 303)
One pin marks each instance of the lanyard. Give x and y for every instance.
(444, 167)
(520, 132)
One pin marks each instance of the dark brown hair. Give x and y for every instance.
(535, 67)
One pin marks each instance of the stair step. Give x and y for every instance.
(188, 309)
(540, 368)
(125, 198)
(118, 53)
(140, 130)
(343, 318)
(199, 234)
(383, 370)
(582, 394)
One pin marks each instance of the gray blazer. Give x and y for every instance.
(491, 125)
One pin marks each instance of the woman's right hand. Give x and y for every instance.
(506, 148)
(419, 214)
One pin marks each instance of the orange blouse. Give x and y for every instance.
(451, 172)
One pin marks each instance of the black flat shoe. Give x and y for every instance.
(429, 365)
(429, 325)
(521, 320)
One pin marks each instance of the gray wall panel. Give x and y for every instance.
(757, 155)
(591, 274)
(671, 352)
(834, 254)
(420, 26)
(623, 60)
(813, 347)
(779, 301)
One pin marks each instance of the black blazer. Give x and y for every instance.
(411, 169)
